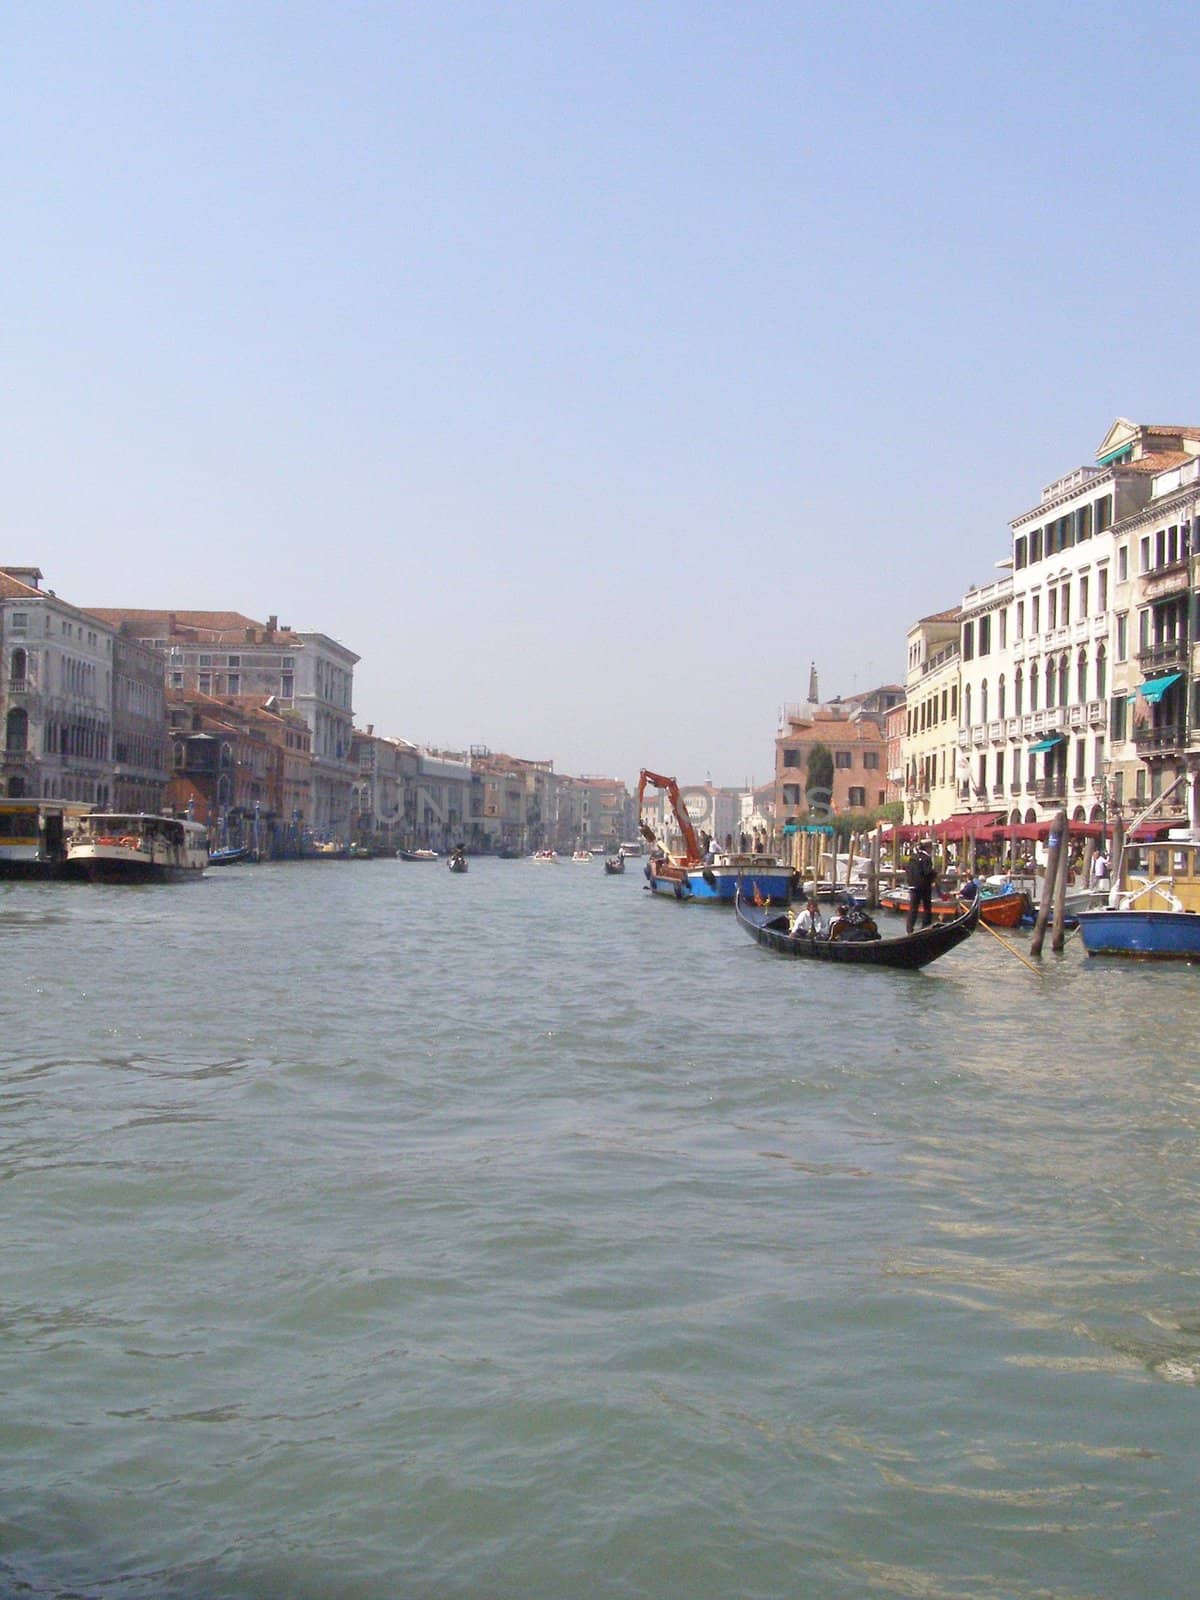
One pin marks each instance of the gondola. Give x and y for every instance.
(615, 864)
(769, 928)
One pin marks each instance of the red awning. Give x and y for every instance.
(964, 823)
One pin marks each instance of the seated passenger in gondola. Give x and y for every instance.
(852, 923)
(810, 922)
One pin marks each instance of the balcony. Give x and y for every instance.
(1050, 791)
(1167, 740)
(995, 732)
(1168, 655)
(1096, 714)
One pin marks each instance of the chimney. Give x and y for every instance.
(272, 623)
(249, 632)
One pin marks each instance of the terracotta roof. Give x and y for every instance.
(14, 589)
(207, 627)
(1162, 462)
(951, 615)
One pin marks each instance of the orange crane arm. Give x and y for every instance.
(691, 844)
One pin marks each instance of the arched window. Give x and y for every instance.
(983, 701)
(1000, 708)
(967, 706)
(180, 754)
(226, 755)
(1101, 672)
(1081, 676)
(1064, 679)
(1018, 692)
(18, 668)
(224, 788)
(1033, 686)
(1051, 682)
(16, 730)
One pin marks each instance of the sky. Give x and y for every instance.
(591, 370)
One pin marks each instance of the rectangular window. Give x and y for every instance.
(871, 760)
(985, 636)
(842, 759)
(858, 797)
(1083, 594)
(1065, 604)
(1104, 513)
(1144, 553)
(1052, 610)
(1080, 760)
(1035, 615)
(1019, 549)
(1003, 629)
(1020, 627)
(999, 771)
(1102, 591)
(19, 621)
(1122, 636)
(1116, 717)
(1035, 545)
(968, 641)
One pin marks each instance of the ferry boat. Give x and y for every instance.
(120, 847)
(34, 834)
(713, 876)
(630, 847)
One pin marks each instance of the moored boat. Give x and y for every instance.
(773, 930)
(1154, 912)
(998, 908)
(118, 847)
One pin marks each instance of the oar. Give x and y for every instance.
(1010, 948)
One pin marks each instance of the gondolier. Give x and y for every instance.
(920, 875)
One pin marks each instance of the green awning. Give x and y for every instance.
(1046, 744)
(1154, 688)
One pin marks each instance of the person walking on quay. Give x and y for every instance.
(920, 876)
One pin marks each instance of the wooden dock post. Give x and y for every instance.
(1058, 936)
(1057, 848)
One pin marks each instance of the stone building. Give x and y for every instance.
(227, 655)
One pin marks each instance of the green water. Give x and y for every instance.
(369, 1231)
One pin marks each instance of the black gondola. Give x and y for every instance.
(910, 950)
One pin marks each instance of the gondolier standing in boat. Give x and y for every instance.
(920, 875)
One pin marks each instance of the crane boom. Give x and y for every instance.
(692, 852)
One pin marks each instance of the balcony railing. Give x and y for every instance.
(1166, 654)
(1160, 741)
(1048, 790)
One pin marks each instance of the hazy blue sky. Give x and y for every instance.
(588, 369)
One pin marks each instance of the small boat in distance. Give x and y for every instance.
(773, 930)
(583, 856)
(418, 855)
(615, 865)
(544, 855)
(458, 860)
(630, 847)
(120, 847)
(228, 854)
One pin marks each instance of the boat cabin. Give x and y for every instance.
(1163, 876)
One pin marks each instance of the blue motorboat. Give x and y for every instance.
(1154, 914)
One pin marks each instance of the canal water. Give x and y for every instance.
(368, 1232)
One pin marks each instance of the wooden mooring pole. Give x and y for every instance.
(1057, 849)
